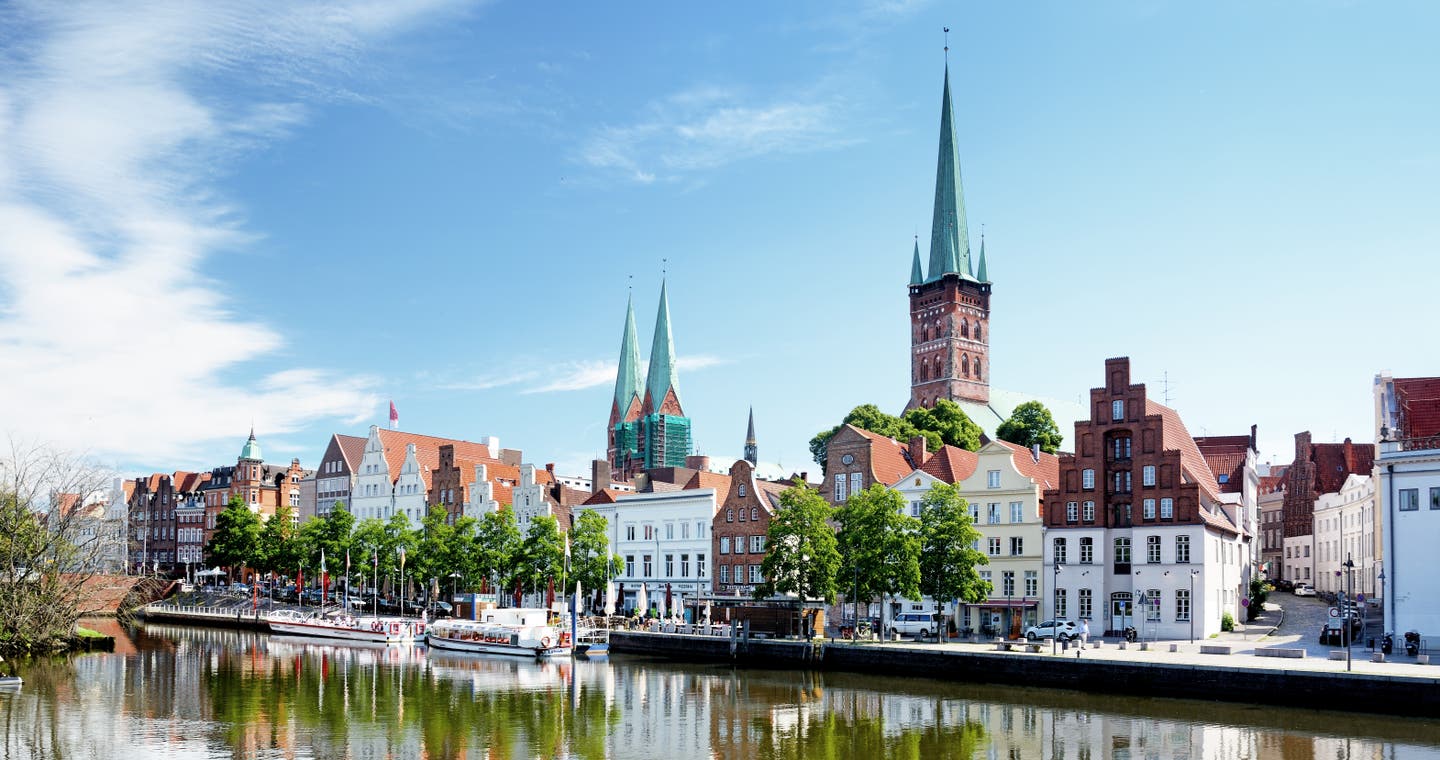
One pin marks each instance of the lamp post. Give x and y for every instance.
(1349, 605)
(855, 604)
(1055, 607)
(1191, 611)
(1381, 578)
(401, 595)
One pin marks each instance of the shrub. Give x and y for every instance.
(1227, 622)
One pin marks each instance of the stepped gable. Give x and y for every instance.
(1045, 470)
(1336, 461)
(1419, 402)
(950, 464)
(889, 459)
(1225, 455)
(1192, 462)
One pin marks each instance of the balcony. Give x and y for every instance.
(1410, 444)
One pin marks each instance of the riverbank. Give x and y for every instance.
(1187, 673)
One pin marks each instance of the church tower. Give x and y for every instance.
(949, 307)
(624, 426)
(648, 427)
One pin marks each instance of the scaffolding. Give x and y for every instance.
(666, 440)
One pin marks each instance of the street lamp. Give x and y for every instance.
(454, 578)
(1381, 578)
(1349, 605)
(401, 595)
(1191, 612)
(1055, 607)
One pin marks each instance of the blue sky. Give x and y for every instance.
(219, 214)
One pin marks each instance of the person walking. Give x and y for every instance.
(1084, 632)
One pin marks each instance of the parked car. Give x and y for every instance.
(920, 624)
(1061, 630)
(1281, 584)
(1304, 589)
(239, 588)
(186, 587)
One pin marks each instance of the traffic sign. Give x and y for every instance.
(1244, 602)
(1334, 612)
(1360, 598)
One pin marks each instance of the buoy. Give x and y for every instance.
(545, 642)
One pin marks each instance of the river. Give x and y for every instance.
(179, 692)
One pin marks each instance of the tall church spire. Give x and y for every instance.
(752, 454)
(661, 378)
(627, 377)
(917, 276)
(949, 236)
(982, 275)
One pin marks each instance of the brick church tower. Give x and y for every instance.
(950, 308)
(648, 427)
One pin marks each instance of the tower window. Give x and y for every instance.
(977, 331)
(977, 368)
(964, 329)
(965, 366)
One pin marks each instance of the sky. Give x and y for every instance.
(222, 215)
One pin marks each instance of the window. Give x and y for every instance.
(994, 547)
(1007, 580)
(724, 544)
(1152, 604)
(699, 529)
(914, 509)
(729, 516)
(985, 578)
(1017, 512)
(1087, 551)
(1182, 549)
(1307, 547)
(1072, 512)
(739, 545)
(684, 565)
(755, 574)
(649, 532)
(742, 514)
(646, 566)
(1122, 481)
(856, 480)
(1032, 582)
(993, 514)
(1149, 509)
(669, 565)
(630, 565)
(1167, 509)
(754, 513)
(724, 575)
(1182, 605)
(1117, 409)
(742, 489)
(1085, 601)
(1287, 553)
(1017, 546)
(1122, 551)
(1060, 551)
(669, 533)
(1434, 498)
(1147, 475)
(992, 479)
(840, 486)
(1087, 512)
(1120, 448)
(1059, 603)
(1087, 479)
(1152, 550)
(757, 544)
(685, 530)
(699, 565)
(1409, 499)
(974, 513)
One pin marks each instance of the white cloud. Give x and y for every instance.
(709, 127)
(113, 121)
(580, 375)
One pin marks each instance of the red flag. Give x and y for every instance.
(394, 416)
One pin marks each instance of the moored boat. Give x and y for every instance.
(515, 631)
(379, 630)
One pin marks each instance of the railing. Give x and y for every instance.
(1411, 444)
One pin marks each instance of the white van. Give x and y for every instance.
(920, 624)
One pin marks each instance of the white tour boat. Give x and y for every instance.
(380, 630)
(525, 632)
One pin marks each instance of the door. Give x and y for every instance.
(1120, 610)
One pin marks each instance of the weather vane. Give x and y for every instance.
(947, 43)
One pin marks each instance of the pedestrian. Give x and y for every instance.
(1084, 632)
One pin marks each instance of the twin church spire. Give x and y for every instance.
(648, 427)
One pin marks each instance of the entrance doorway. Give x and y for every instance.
(1120, 610)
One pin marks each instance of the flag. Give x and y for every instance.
(394, 417)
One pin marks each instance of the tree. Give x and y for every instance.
(1029, 424)
(946, 423)
(373, 549)
(434, 552)
(879, 545)
(802, 558)
(947, 420)
(947, 561)
(496, 549)
(279, 546)
(542, 553)
(590, 561)
(236, 542)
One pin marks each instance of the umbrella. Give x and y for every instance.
(575, 603)
(642, 602)
(707, 612)
(662, 604)
(609, 599)
(669, 603)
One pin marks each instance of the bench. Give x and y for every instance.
(1214, 649)
(1377, 656)
(1298, 654)
(1337, 654)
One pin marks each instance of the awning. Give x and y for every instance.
(1003, 603)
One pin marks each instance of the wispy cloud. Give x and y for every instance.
(113, 121)
(571, 375)
(708, 127)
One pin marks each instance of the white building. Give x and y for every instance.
(1407, 415)
(664, 540)
(1299, 564)
(1344, 530)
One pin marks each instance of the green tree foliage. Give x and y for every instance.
(542, 554)
(879, 545)
(236, 543)
(590, 563)
(371, 547)
(802, 558)
(1259, 593)
(947, 563)
(279, 544)
(947, 423)
(1029, 424)
(495, 549)
(436, 551)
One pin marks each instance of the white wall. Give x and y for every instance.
(679, 523)
(1412, 587)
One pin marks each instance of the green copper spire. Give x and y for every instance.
(627, 377)
(252, 448)
(982, 275)
(949, 237)
(661, 376)
(917, 276)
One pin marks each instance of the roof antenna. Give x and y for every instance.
(947, 45)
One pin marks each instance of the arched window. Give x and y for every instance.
(729, 515)
(964, 328)
(964, 365)
(977, 331)
(977, 368)
(754, 513)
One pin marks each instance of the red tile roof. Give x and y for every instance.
(352, 448)
(606, 496)
(951, 464)
(1192, 463)
(1046, 471)
(706, 479)
(1336, 461)
(889, 459)
(1419, 401)
(1226, 456)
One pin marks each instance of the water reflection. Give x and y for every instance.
(189, 692)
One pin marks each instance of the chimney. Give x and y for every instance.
(917, 451)
(804, 477)
(1253, 447)
(1035, 452)
(550, 467)
(1349, 455)
(698, 462)
(599, 475)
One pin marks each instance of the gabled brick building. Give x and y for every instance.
(1319, 468)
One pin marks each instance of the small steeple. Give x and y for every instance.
(252, 448)
(627, 376)
(917, 277)
(949, 236)
(661, 377)
(982, 275)
(751, 451)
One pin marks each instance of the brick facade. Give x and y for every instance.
(744, 513)
(949, 352)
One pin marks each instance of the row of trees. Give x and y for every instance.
(874, 550)
(1029, 424)
(471, 553)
